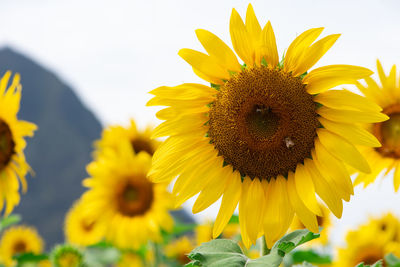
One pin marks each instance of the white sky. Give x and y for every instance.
(114, 52)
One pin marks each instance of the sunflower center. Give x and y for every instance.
(69, 259)
(19, 247)
(263, 122)
(140, 144)
(369, 256)
(87, 226)
(7, 144)
(135, 197)
(388, 132)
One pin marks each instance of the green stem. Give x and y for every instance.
(264, 248)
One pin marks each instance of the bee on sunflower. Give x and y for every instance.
(13, 166)
(267, 135)
(384, 158)
(133, 209)
(18, 240)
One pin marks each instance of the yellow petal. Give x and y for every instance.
(308, 218)
(343, 150)
(278, 210)
(353, 133)
(327, 77)
(298, 47)
(268, 49)
(243, 210)
(314, 53)
(335, 172)
(252, 25)
(396, 178)
(241, 39)
(215, 47)
(323, 189)
(204, 64)
(213, 190)
(343, 99)
(351, 116)
(207, 78)
(186, 91)
(381, 72)
(255, 194)
(229, 203)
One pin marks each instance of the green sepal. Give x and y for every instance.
(29, 257)
(376, 264)
(9, 220)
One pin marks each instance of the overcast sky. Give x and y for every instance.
(113, 52)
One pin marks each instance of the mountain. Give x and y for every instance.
(60, 149)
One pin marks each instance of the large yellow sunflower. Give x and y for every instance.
(12, 143)
(268, 135)
(386, 157)
(140, 140)
(370, 242)
(80, 229)
(17, 240)
(133, 209)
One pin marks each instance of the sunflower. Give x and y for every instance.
(130, 259)
(324, 221)
(12, 143)
(120, 196)
(80, 229)
(386, 157)
(179, 249)
(370, 242)
(140, 140)
(268, 135)
(17, 240)
(67, 256)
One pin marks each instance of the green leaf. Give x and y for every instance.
(376, 264)
(218, 253)
(9, 220)
(392, 261)
(234, 219)
(29, 257)
(293, 240)
(271, 260)
(310, 256)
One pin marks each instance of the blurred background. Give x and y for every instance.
(88, 64)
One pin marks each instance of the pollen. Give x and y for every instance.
(263, 122)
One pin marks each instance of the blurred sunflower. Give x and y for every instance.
(80, 229)
(370, 242)
(140, 141)
(12, 143)
(386, 157)
(130, 259)
(267, 134)
(179, 249)
(18, 240)
(324, 221)
(67, 256)
(133, 209)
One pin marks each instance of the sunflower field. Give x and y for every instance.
(276, 141)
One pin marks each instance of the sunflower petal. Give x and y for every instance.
(351, 132)
(241, 39)
(204, 63)
(396, 178)
(342, 99)
(351, 116)
(268, 49)
(305, 189)
(298, 47)
(229, 203)
(343, 150)
(252, 25)
(324, 191)
(215, 47)
(321, 79)
(314, 53)
(308, 218)
(254, 220)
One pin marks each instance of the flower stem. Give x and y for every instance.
(264, 248)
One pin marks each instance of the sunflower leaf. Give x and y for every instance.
(392, 261)
(274, 259)
(310, 256)
(218, 253)
(293, 240)
(376, 264)
(9, 220)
